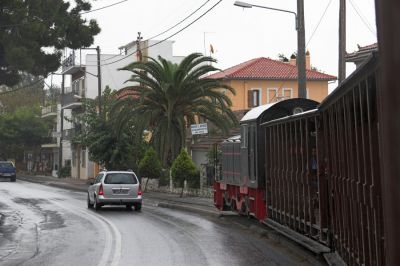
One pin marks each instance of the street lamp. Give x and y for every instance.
(247, 5)
(300, 41)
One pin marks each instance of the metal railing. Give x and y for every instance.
(323, 171)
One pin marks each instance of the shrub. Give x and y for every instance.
(150, 165)
(183, 169)
(65, 172)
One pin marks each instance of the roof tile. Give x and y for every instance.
(266, 68)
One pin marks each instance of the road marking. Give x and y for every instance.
(107, 258)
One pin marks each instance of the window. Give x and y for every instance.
(120, 178)
(272, 95)
(287, 93)
(253, 97)
(98, 178)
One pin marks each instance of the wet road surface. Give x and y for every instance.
(42, 225)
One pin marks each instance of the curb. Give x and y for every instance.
(54, 184)
(181, 207)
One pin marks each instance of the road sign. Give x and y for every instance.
(198, 129)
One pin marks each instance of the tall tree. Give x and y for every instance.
(21, 130)
(170, 97)
(32, 33)
(116, 149)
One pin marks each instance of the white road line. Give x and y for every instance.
(108, 256)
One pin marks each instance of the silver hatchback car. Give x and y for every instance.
(115, 188)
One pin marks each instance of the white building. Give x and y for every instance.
(84, 84)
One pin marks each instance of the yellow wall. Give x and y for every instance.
(317, 90)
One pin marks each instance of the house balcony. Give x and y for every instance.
(51, 142)
(48, 111)
(72, 97)
(70, 66)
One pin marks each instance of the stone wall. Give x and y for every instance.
(152, 185)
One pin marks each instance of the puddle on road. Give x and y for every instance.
(51, 219)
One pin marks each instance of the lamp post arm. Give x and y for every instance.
(281, 10)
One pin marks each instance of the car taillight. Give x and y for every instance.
(101, 192)
(139, 191)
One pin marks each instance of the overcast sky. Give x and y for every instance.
(238, 34)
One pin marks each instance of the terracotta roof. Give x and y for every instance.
(362, 51)
(127, 92)
(266, 68)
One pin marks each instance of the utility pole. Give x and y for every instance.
(138, 49)
(342, 41)
(301, 50)
(99, 77)
(60, 151)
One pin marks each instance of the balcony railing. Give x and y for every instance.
(49, 110)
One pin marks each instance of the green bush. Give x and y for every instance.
(150, 165)
(65, 172)
(183, 169)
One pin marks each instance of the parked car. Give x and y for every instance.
(115, 188)
(7, 170)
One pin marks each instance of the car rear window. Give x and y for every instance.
(6, 165)
(120, 178)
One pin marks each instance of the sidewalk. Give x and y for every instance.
(165, 200)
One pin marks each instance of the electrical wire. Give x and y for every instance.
(308, 42)
(81, 13)
(165, 39)
(24, 87)
(97, 9)
(170, 28)
(363, 19)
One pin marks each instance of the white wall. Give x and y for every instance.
(115, 78)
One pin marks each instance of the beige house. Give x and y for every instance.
(263, 80)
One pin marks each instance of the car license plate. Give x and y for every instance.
(119, 191)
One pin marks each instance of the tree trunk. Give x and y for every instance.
(145, 185)
(183, 187)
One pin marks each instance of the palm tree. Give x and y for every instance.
(170, 96)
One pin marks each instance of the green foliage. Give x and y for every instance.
(29, 26)
(116, 148)
(172, 96)
(65, 172)
(150, 165)
(22, 129)
(183, 169)
(30, 96)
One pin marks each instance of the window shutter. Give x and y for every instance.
(257, 97)
(250, 98)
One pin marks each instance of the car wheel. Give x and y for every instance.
(128, 207)
(13, 179)
(96, 205)
(138, 207)
(89, 205)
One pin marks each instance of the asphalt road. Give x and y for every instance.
(41, 225)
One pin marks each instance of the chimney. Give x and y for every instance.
(308, 62)
(292, 60)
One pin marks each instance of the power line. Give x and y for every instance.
(170, 28)
(363, 19)
(97, 9)
(170, 36)
(48, 20)
(308, 42)
(180, 22)
(24, 87)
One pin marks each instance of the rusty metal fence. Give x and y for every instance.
(323, 171)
